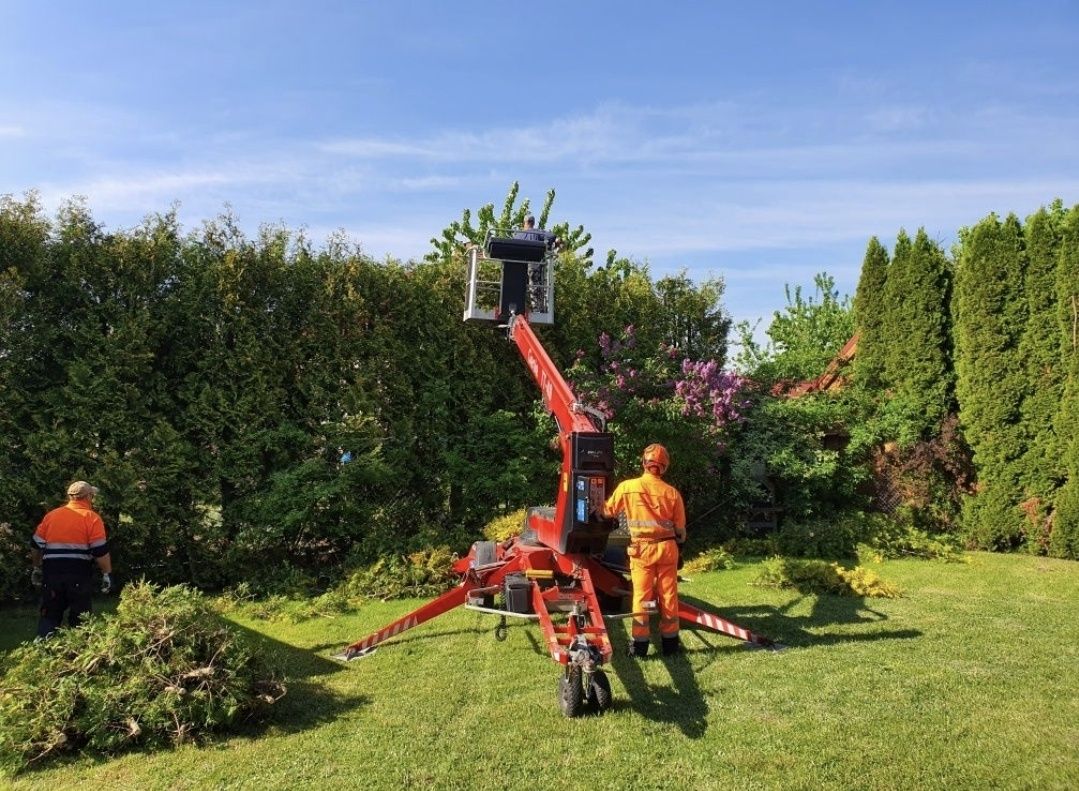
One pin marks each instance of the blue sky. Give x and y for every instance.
(760, 145)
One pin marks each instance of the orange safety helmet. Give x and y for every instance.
(655, 455)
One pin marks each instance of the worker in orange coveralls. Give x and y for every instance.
(656, 517)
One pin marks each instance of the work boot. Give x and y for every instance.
(672, 646)
(638, 649)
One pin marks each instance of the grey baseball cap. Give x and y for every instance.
(81, 490)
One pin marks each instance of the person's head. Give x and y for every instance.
(530, 221)
(81, 490)
(655, 459)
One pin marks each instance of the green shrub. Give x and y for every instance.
(752, 547)
(14, 570)
(164, 669)
(242, 599)
(818, 576)
(836, 537)
(425, 573)
(992, 518)
(714, 559)
(896, 539)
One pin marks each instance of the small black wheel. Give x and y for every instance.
(570, 694)
(501, 632)
(599, 691)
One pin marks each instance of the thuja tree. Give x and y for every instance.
(86, 397)
(1064, 539)
(1042, 463)
(990, 314)
(23, 239)
(890, 319)
(869, 318)
(917, 340)
(904, 381)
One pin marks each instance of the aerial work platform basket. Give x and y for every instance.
(510, 276)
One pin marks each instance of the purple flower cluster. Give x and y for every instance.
(706, 390)
(700, 389)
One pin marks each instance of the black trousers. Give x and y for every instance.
(60, 592)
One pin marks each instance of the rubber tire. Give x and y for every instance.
(483, 553)
(570, 694)
(599, 692)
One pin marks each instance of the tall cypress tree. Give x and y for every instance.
(917, 357)
(891, 315)
(869, 318)
(990, 316)
(1041, 465)
(1064, 540)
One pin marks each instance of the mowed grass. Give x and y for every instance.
(969, 681)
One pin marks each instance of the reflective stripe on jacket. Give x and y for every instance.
(654, 509)
(69, 537)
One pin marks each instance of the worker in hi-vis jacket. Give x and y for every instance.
(656, 518)
(64, 548)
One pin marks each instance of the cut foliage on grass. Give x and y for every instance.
(164, 669)
(822, 577)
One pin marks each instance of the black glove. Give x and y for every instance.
(106, 583)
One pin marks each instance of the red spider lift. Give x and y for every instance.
(559, 571)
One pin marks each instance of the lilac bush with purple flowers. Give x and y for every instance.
(665, 380)
(659, 394)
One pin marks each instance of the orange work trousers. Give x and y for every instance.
(653, 567)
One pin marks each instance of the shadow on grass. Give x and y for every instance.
(18, 622)
(18, 625)
(422, 636)
(680, 704)
(308, 703)
(777, 624)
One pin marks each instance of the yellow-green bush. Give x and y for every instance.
(820, 576)
(502, 527)
(713, 559)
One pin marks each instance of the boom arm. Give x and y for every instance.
(569, 413)
(587, 455)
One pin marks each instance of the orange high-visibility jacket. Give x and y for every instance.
(654, 509)
(69, 537)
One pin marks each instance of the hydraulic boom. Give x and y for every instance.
(554, 571)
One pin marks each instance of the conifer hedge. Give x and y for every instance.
(998, 319)
(252, 404)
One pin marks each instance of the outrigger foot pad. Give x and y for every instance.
(348, 654)
(765, 645)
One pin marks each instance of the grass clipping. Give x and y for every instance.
(820, 576)
(163, 670)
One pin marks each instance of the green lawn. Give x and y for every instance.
(969, 681)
